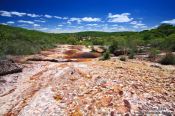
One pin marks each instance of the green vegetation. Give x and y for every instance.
(123, 58)
(153, 53)
(106, 55)
(18, 41)
(169, 59)
(131, 54)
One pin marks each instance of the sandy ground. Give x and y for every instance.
(87, 87)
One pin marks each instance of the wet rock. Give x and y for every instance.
(50, 60)
(84, 55)
(9, 67)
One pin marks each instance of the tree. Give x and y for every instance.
(166, 29)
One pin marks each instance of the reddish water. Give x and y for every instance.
(84, 55)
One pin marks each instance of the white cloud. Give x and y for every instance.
(33, 15)
(133, 22)
(15, 13)
(90, 19)
(22, 25)
(10, 14)
(10, 22)
(118, 29)
(78, 20)
(4, 23)
(138, 25)
(36, 25)
(57, 17)
(28, 22)
(119, 18)
(48, 16)
(115, 25)
(58, 28)
(69, 22)
(5, 13)
(85, 19)
(169, 21)
(92, 24)
(41, 21)
(20, 14)
(65, 18)
(80, 27)
(60, 25)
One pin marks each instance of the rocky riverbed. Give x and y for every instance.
(71, 81)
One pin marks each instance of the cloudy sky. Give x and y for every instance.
(87, 15)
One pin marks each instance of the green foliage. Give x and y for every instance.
(106, 55)
(169, 59)
(131, 54)
(18, 41)
(166, 29)
(153, 53)
(114, 46)
(123, 58)
(169, 43)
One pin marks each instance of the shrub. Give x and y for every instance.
(153, 53)
(113, 46)
(106, 55)
(131, 54)
(123, 58)
(169, 59)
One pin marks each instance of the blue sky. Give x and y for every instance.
(87, 15)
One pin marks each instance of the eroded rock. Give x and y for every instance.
(9, 67)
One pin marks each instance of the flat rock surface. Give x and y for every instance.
(88, 88)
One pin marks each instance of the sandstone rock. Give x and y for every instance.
(99, 49)
(97, 88)
(118, 52)
(9, 67)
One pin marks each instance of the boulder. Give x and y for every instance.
(9, 67)
(118, 52)
(99, 49)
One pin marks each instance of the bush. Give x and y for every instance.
(169, 59)
(131, 54)
(113, 46)
(123, 58)
(106, 56)
(153, 53)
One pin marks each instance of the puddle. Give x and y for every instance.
(84, 55)
(70, 52)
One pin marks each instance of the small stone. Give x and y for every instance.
(117, 89)
(112, 113)
(105, 101)
(58, 97)
(76, 113)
